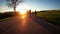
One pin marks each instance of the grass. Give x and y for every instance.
(7, 18)
(52, 16)
(7, 15)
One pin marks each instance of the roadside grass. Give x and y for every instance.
(7, 15)
(7, 18)
(52, 16)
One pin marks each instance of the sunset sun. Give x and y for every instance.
(22, 8)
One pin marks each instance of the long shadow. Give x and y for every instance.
(46, 25)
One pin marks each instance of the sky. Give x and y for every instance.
(34, 5)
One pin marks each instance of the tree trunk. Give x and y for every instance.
(15, 7)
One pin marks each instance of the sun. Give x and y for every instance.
(22, 8)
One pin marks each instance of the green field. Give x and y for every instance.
(52, 16)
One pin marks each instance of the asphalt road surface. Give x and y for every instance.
(28, 25)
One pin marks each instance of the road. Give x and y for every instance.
(27, 25)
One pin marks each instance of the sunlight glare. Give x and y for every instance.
(23, 16)
(22, 8)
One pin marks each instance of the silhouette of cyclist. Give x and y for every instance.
(30, 13)
(35, 13)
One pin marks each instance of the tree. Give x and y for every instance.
(13, 3)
